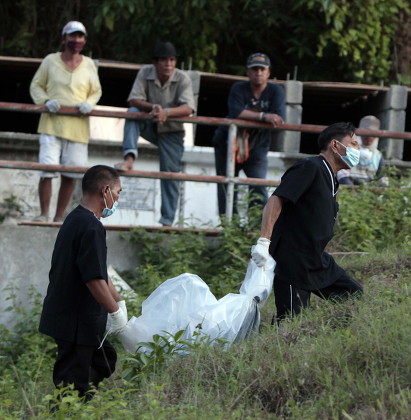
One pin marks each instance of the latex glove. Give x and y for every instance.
(122, 305)
(85, 107)
(259, 252)
(118, 321)
(52, 105)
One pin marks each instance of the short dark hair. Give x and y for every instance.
(98, 175)
(335, 131)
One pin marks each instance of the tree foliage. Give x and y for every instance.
(341, 40)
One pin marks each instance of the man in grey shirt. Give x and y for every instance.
(163, 91)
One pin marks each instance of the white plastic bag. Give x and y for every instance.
(185, 302)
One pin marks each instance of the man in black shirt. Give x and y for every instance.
(298, 222)
(256, 100)
(81, 299)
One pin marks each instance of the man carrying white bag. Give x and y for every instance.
(186, 302)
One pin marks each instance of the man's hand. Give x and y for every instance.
(52, 105)
(85, 107)
(118, 321)
(259, 252)
(160, 114)
(273, 119)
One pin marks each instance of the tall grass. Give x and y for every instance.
(350, 360)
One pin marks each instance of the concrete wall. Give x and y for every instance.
(140, 200)
(25, 257)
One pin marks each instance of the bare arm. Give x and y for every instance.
(159, 113)
(273, 119)
(113, 290)
(142, 105)
(102, 293)
(271, 213)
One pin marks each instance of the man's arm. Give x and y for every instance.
(113, 290)
(260, 251)
(161, 114)
(38, 85)
(102, 292)
(271, 213)
(273, 119)
(141, 104)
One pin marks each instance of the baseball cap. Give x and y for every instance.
(369, 122)
(74, 26)
(258, 60)
(164, 49)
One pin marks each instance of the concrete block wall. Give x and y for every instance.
(289, 141)
(392, 116)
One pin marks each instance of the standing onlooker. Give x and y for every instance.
(255, 100)
(64, 79)
(80, 293)
(371, 163)
(163, 91)
(298, 222)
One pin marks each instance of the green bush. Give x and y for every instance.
(374, 218)
(219, 260)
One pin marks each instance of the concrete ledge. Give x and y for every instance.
(25, 257)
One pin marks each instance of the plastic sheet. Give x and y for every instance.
(186, 302)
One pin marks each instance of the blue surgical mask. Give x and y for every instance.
(106, 211)
(352, 156)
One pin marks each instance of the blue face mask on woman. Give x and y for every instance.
(352, 156)
(106, 211)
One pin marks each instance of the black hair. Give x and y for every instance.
(97, 176)
(335, 131)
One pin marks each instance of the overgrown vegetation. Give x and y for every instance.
(10, 207)
(374, 218)
(339, 40)
(348, 360)
(335, 361)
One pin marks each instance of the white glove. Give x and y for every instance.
(118, 321)
(259, 252)
(122, 305)
(85, 107)
(52, 105)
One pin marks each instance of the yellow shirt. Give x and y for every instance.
(54, 80)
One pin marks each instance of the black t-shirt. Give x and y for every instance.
(70, 312)
(305, 225)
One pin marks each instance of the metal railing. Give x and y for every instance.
(233, 125)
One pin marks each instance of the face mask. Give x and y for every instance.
(75, 46)
(106, 211)
(352, 156)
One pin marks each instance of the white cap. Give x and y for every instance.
(74, 26)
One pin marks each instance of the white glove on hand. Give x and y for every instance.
(118, 321)
(122, 305)
(52, 105)
(259, 252)
(85, 107)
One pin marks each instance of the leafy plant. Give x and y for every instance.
(372, 217)
(151, 356)
(10, 208)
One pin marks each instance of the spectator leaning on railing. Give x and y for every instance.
(64, 79)
(163, 91)
(255, 100)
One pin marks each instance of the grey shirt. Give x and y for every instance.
(175, 92)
